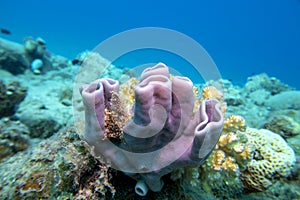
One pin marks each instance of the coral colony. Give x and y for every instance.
(163, 121)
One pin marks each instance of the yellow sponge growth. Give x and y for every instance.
(272, 158)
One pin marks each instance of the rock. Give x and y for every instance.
(10, 95)
(285, 100)
(46, 108)
(259, 97)
(58, 168)
(13, 137)
(12, 57)
(41, 123)
(283, 125)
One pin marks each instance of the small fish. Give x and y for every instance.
(76, 62)
(5, 31)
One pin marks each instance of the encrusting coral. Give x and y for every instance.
(273, 158)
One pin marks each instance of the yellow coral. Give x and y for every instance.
(246, 153)
(234, 123)
(221, 162)
(272, 158)
(230, 164)
(232, 151)
(226, 139)
(218, 157)
(212, 92)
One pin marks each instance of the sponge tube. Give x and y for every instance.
(141, 188)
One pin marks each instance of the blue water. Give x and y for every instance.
(242, 37)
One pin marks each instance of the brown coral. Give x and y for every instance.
(272, 158)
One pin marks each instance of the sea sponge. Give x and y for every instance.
(162, 113)
(211, 92)
(272, 158)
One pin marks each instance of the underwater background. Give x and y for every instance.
(52, 148)
(242, 37)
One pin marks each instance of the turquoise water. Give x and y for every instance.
(243, 38)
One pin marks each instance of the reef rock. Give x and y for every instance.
(13, 137)
(264, 82)
(11, 96)
(285, 100)
(283, 125)
(58, 168)
(47, 106)
(12, 57)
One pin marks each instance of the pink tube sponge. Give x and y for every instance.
(164, 133)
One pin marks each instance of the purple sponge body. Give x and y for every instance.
(165, 133)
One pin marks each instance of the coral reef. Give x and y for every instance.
(10, 95)
(13, 137)
(244, 164)
(162, 107)
(272, 158)
(263, 82)
(244, 158)
(60, 167)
